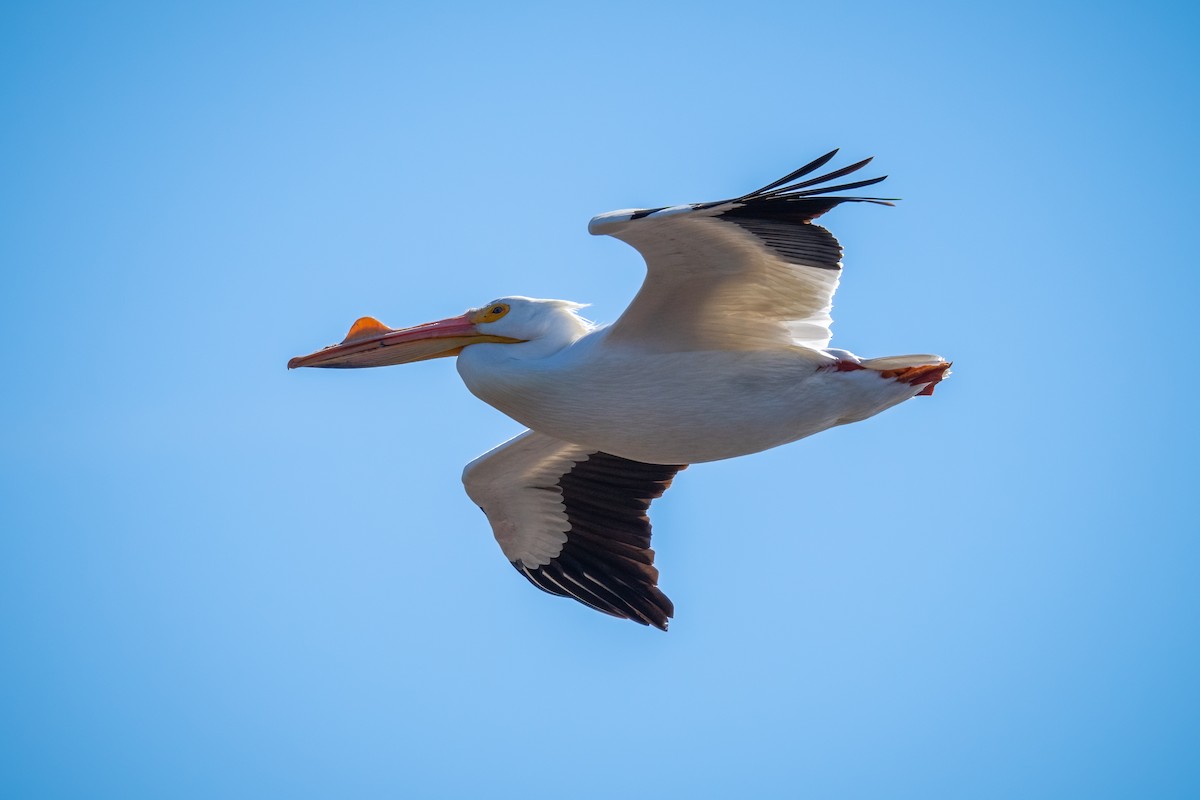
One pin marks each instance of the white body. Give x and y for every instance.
(677, 407)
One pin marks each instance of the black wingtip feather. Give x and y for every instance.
(786, 188)
(811, 166)
(828, 176)
(607, 563)
(629, 604)
(841, 187)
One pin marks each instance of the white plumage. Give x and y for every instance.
(723, 352)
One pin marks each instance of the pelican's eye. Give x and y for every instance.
(490, 314)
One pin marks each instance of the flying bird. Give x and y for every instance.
(723, 352)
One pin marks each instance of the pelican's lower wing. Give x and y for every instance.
(573, 521)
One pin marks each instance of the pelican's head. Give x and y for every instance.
(508, 320)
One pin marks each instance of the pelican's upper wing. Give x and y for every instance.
(749, 273)
(573, 521)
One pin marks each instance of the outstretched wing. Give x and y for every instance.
(749, 273)
(573, 521)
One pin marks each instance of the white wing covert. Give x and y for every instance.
(748, 273)
(574, 522)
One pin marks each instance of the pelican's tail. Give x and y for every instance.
(916, 370)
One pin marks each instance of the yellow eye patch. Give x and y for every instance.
(490, 313)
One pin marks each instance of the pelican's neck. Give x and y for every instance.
(513, 377)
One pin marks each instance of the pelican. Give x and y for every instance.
(723, 352)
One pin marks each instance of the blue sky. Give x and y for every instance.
(221, 579)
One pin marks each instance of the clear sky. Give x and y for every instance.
(221, 579)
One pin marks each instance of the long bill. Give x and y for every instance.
(370, 343)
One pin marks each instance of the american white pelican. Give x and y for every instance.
(723, 352)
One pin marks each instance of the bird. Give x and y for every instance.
(723, 352)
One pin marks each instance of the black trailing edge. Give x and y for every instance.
(607, 562)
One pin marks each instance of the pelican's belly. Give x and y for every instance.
(680, 408)
(690, 407)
